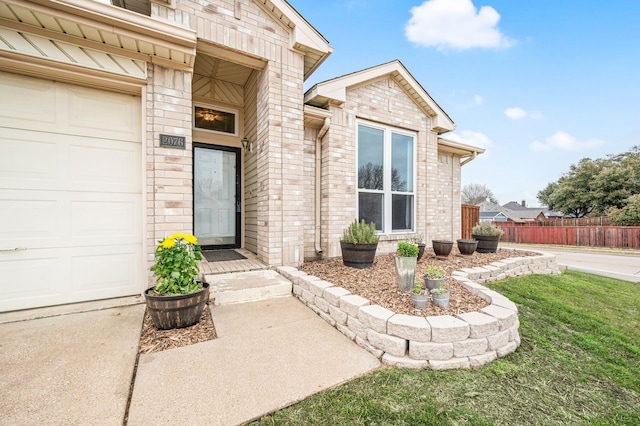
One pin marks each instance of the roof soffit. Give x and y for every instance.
(94, 24)
(335, 91)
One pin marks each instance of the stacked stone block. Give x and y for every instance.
(439, 342)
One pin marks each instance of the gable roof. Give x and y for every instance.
(304, 37)
(334, 91)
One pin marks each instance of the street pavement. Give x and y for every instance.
(622, 264)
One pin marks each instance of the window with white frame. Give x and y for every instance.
(386, 177)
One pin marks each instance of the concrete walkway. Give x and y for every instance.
(77, 368)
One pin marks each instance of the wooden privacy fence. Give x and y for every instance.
(470, 218)
(592, 236)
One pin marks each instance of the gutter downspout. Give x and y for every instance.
(473, 156)
(323, 131)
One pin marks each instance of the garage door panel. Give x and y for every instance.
(26, 107)
(88, 274)
(27, 219)
(105, 221)
(110, 115)
(26, 159)
(30, 279)
(104, 165)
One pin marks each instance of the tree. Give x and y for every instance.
(629, 215)
(595, 186)
(474, 193)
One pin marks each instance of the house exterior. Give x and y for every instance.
(121, 124)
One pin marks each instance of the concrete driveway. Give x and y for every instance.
(622, 264)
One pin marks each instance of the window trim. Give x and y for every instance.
(388, 194)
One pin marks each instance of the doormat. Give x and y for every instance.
(222, 255)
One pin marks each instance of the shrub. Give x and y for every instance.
(486, 229)
(407, 249)
(629, 215)
(360, 233)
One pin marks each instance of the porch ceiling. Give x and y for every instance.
(219, 69)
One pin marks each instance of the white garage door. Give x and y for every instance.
(70, 193)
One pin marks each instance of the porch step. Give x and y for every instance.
(252, 286)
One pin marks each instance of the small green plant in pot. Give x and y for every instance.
(406, 261)
(434, 276)
(359, 244)
(407, 249)
(419, 298)
(488, 236)
(178, 299)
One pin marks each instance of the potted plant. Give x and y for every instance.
(488, 235)
(442, 248)
(467, 247)
(440, 296)
(419, 298)
(359, 244)
(178, 299)
(417, 239)
(434, 276)
(406, 260)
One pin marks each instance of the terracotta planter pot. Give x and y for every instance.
(442, 248)
(360, 256)
(182, 310)
(467, 247)
(486, 244)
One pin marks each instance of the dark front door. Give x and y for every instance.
(216, 196)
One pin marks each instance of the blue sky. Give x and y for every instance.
(539, 83)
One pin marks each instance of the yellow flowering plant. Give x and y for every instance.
(176, 266)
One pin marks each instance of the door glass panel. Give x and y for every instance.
(214, 201)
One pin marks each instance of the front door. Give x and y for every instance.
(216, 196)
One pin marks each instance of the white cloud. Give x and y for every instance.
(517, 113)
(472, 138)
(479, 100)
(565, 142)
(455, 24)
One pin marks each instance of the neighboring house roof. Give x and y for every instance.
(334, 92)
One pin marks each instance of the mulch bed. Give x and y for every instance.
(376, 284)
(154, 340)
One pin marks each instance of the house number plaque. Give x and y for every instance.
(169, 141)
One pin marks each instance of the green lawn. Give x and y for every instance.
(578, 364)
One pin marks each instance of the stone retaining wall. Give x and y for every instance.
(438, 342)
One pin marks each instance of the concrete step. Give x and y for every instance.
(242, 287)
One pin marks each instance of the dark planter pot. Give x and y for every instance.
(420, 301)
(467, 247)
(442, 248)
(486, 244)
(358, 256)
(182, 310)
(421, 247)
